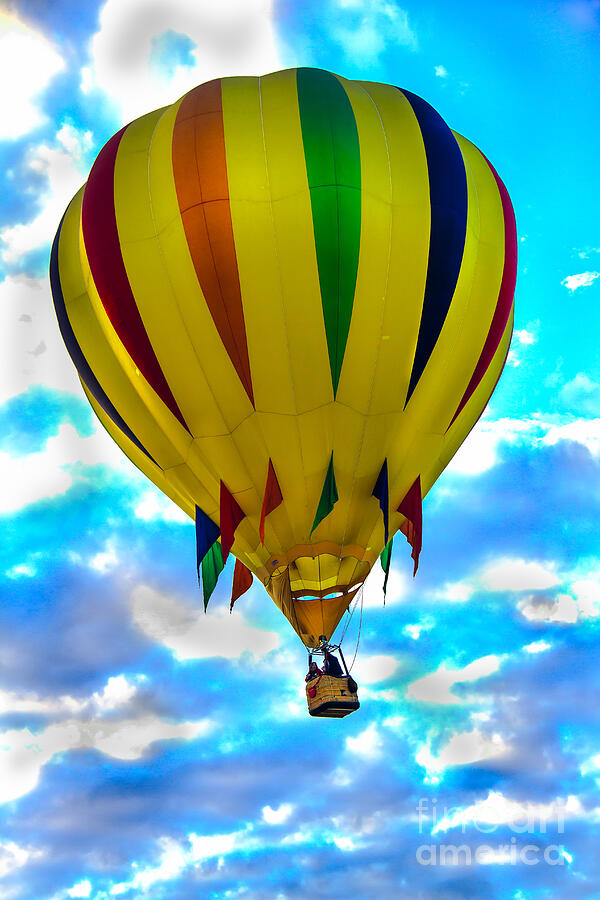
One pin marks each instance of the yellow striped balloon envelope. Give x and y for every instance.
(289, 299)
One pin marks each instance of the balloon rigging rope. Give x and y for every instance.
(349, 619)
(359, 629)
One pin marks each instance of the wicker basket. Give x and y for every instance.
(333, 700)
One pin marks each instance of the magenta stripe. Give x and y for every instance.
(101, 238)
(505, 297)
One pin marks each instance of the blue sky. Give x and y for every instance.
(147, 750)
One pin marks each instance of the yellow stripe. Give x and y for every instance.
(472, 410)
(274, 240)
(123, 384)
(140, 460)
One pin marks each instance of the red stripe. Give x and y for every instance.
(101, 237)
(200, 170)
(505, 297)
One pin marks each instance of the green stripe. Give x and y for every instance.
(329, 496)
(386, 559)
(212, 566)
(332, 154)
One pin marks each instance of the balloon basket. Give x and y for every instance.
(332, 699)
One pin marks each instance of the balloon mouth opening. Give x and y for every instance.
(332, 594)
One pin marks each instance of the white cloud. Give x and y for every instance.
(81, 889)
(372, 669)
(518, 575)
(368, 743)
(441, 72)
(464, 748)
(456, 592)
(537, 647)
(479, 452)
(153, 505)
(524, 817)
(580, 431)
(563, 609)
(28, 63)
(436, 687)
(566, 608)
(175, 857)
(13, 856)
(105, 560)
(64, 167)
(587, 596)
(23, 753)
(21, 570)
(582, 393)
(366, 29)
(132, 63)
(277, 816)
(523, 336)
(344, 843)
(46, 474)
(192, 634)
(118, 691)
(583, 279)
(28, 323)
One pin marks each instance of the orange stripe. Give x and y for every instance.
(200, 170)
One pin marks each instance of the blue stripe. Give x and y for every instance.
(448, 199)
(76, 353)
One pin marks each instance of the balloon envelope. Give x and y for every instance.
(297, 285)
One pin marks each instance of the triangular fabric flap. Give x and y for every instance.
(212, 566)
(381, 492)
(231, 514)
(242, 581)
(411, 507)
(273, 497)
(329, 496)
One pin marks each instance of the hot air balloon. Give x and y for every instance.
(289, 299)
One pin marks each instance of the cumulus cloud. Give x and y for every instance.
(63, 165)
(523, 816)
(581, 394)
(46, 474)
(583, 602)
(537, 647)
(28, 322)
(376, 668)
(192, 634)
(13, 856)
(463, 748)
(28, 63)
(23, 753)
(562, 609)
(441, 72)
(368, 743)
(436, 687)
(277, 816)
(144, 57)
(367, 29)
(582, 279)
(174, 857)
(579, 431)
(118, 691)
(479, 452)
(152, 506)
(518, 575)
